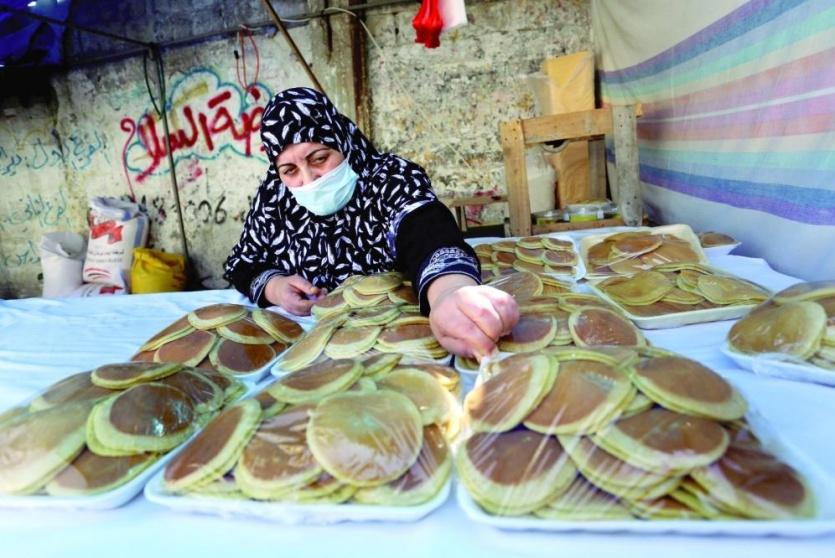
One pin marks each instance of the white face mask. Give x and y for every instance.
(330, 192)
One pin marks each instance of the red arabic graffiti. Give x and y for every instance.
(200, 126)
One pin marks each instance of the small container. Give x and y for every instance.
(549, 217)
(590, 211)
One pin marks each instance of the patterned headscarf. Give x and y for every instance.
(287, 239)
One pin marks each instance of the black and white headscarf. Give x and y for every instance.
(359, 238)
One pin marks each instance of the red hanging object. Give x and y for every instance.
(417, 22)
(428, 24)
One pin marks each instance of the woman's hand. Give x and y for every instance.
(294, 293)
(468, 319)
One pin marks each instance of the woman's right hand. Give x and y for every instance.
(294, 293)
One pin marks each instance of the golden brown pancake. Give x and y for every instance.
(189, 349)
(281, 328)
(599, 326)
(559, 258)
(519, 285)
(205, 395)
(93, 474)
(710, 239)
(236, 358)
(246, 331)
(794, 328)
(75, 388)
(215, 315)
(123, 375)
(152, 409)
(316, 381)
(277, 458)
(179, 328)
(531, 333)
(365, 439)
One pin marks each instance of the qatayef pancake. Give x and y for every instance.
(503, 259)
(642, 288)
(149, 417)
(504, 246)
(205, 395)
(585, 396)
(614, 475)
(246, 331)
(179, 328)
(232, 388)
(213, 452)
(582, 501)
(749, 479)
(188, 350)
(445, 375)
(316, 381)
(235, 358)
(519, 285)
(530, 334)
(348, 343)
(709, 239)
(639, 404)
(270, 406)
(404, 295)
(531, 255)
(380, 364)
(277, 458)
(665, 442)
(378, 283)
(215, 315)
(421, 482)
(728, 290)
(358, 300)
(552, 243)
(559, 258)
(522, 265)
(530, 242)
(120, 376)
(501, 402)
(663, 508)
(407, 337)
(366, 439)
(795, 328)
(407, 318)
(686, 386)
(599, 326)
(333, 303)
(93, 474)
(380, 315)
(75, 388)
(308, 348)
(35, 446)
(281, 328)
(514, 473)
(145, 356)
(435, 404)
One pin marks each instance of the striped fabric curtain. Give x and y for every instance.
(738, 131)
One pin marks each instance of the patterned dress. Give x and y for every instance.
(393, 220)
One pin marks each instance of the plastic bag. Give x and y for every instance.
(154, 271)
(62, 260)
(116, 228)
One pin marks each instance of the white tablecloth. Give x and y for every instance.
(44, 340)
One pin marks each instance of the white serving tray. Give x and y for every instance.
(775, 365)
(291, 513)
(679, 318)
(106, 500)
(820, 483)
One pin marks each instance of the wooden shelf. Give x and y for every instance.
(577, 226)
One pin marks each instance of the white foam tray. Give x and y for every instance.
(678, 319)
(107, 500)
(291, 513)
(579, 269)
(722, 250)
(821, 484)
(772, 366)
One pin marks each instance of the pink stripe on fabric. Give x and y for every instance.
(753, 128)
(799, 76)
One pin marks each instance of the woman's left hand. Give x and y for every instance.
(468, 319)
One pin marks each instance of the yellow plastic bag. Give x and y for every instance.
(157, 272)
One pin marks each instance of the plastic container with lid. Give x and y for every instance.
(590, 211)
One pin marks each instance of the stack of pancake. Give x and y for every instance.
(618, 433)
(366, 431)
(538, 254)
(680, 287)
(626, 253)
(363, 317)
(223, 337)
(551, 323)
(797, 323)
(95, 431)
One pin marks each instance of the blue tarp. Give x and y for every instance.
(28, 41)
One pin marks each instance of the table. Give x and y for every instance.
(44, 340)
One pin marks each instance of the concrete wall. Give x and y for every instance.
(441, 107)
(99, 135)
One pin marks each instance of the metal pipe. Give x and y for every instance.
(269, 7)
(74, 26)
(157, 53)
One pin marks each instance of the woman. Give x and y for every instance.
(332, 206)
